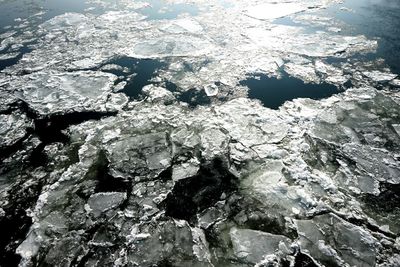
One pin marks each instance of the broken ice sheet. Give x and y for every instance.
(139, 189)
(297, 42)
(13, 127)
(379, 76)
(169, 46)
(134, 149)
(202, 37)
(321, 235)
(52, 92)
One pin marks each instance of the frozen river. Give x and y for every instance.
(200, 133)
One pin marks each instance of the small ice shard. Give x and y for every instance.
(269, 185)
(289, 39)
(158, 94)
(332, 74)
(343, 8)
(211, 89)
(102, 202)
(116, 101)
(148, 151)
(65, 20)
(209, 217)
(269, 11)
(185, 170)
(396, 127)
(335, 29)
(214, 142)
(374, 161)
(395, 82)
(305, 72)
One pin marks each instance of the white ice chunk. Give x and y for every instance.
(211, 89)
(185, 170)
(158, 94)
(51, 92)
(379, 76)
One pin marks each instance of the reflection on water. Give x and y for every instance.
(374, 18)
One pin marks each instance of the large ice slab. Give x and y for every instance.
(55, 92)
(253, 246)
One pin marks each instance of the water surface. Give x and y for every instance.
(273, 92)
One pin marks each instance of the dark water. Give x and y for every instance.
(273, 92)
(143, 70)
(193, 97)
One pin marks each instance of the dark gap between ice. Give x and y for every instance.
(193, 97)
(194, 194)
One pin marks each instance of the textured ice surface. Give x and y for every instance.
(302, 181)
(320, 237)
(193, 172)
(52, 92)
(12, 128)
(253, 246)
(102, 202)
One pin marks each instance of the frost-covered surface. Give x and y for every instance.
(189, 171)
